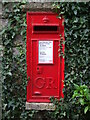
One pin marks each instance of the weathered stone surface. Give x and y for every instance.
(4, 22)
(38, 6)
(40, 106)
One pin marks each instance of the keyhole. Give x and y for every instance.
(37, 68)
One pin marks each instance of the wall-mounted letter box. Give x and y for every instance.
(45, 69)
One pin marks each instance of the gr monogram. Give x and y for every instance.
(47, 83)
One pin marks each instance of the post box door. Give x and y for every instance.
(45, 79)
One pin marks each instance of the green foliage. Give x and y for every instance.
(62, 43)
(82, 95)
(14, 65)
(76, 63)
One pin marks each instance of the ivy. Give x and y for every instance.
(76, 62)
(14, 65)
(77, 49)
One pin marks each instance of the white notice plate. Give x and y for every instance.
(45, 52)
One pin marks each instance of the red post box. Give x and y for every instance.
(45, 69)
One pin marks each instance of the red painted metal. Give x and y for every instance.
(45, 75)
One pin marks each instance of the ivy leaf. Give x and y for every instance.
(9, 73)
(76, 86)
(81, 100)
(85, 110)
(75, 12)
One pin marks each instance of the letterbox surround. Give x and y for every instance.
(44, 66)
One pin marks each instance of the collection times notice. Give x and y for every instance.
(45, 52)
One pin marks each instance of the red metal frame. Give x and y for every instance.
(32, 50)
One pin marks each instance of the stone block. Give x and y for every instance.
(38, 6)
(40, 106)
